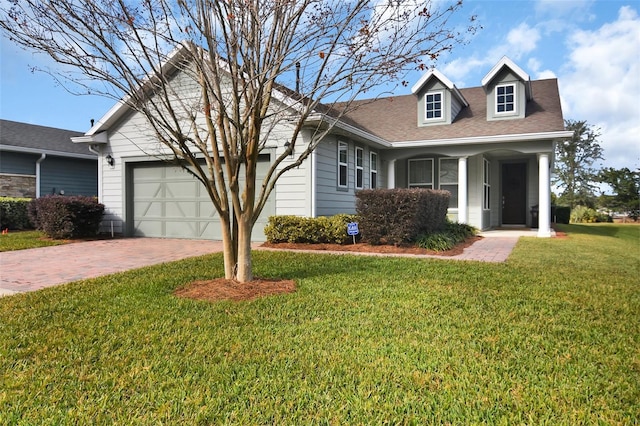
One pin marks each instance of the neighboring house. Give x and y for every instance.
(36, 161)
(491, 146)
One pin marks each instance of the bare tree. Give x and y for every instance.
(242, 59)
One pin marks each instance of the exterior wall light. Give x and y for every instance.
(110, 160)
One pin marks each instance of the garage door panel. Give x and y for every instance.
(169, 202)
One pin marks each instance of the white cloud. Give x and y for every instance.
(522, 40)
(601, 84)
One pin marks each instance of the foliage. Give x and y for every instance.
(66, 217)
(545, 338)
(453, 234)
(573, 164)
(562, 214)
(214, 79)
(296, 229)
(13, 213)
(584, 214)
(400, 216)
(626, 191)
(22, 240)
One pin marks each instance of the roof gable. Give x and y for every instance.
(40, 139)
(505, 62)
(434, 73)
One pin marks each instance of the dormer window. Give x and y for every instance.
(433, 105)
(505, 98)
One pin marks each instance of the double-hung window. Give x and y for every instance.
(343, 165)
(448, 179)
(359, 168)
(433, 105)
(505, 98)
(373, 167)
(421, 173)
(486, 185)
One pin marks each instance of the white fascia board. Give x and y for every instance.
(96, 139)
(485, 139)
(316, 118)
(24, 150)
(505, 61)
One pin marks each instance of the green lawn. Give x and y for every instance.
(552, 336)
(20, 240)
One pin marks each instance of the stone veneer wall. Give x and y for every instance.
(19, 186)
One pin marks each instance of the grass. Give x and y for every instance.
(552, 336)
(20, 240)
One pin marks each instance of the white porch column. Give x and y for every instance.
(544, 191)
(463, 204)
(391, 174)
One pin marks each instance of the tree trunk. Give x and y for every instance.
(245, 263)
(230, 252)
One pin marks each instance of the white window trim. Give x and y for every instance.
(486, 184)
(453, 209)
(515, 100)
(359, 168)
(373, 172)
(435, 92)
(345, 165)
(420, 185)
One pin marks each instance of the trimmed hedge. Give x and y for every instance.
(562, 214)
(318, 230)
(14, 213)
(400, 216)
(66, 217)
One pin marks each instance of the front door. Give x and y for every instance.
(514, 193)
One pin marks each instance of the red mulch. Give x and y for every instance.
(224, 289)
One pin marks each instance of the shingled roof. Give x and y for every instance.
(395, 118)
(40, 139)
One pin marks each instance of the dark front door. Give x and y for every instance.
(514, 193)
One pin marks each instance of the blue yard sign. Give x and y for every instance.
(352, 229)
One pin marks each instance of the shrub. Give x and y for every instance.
(583, 214)
(14, 213)
(66, 217)
(453, 234)
(297, 229)
(400, 216)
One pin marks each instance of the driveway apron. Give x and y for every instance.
(33, 269)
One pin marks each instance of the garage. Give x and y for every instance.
(167, 202)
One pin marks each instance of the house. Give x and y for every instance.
(37, 161)
(491, 146)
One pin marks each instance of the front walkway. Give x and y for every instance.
(33, 269)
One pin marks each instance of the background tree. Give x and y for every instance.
(626, 191)
(238, 57)
(574, 172)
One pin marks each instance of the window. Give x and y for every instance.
(343, 167)
(433, 105)
(505, 98)
(448, 179)
(486, 200)
(421, 173)
(359, 168)
(373, 166)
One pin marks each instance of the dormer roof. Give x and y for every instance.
(434, 73)
(505, 62)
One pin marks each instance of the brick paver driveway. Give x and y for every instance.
(33, 269)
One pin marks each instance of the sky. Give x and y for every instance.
(591, 46)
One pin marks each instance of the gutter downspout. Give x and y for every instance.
(38, 173)
(96, 150)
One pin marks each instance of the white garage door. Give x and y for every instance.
(168, 202)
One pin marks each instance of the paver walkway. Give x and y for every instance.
(33, 269)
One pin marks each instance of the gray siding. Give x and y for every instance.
(73, 176)
(506, 77)
(18, 163)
